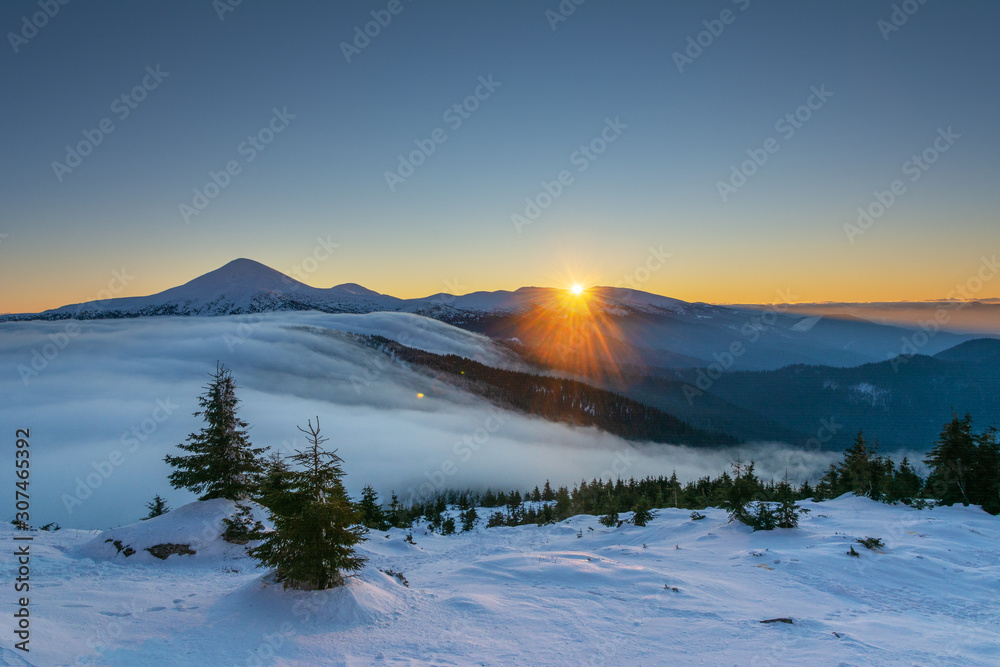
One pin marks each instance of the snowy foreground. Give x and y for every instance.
(675, 592)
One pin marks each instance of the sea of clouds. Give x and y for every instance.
(105, 400)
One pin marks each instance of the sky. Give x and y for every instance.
(587, 141)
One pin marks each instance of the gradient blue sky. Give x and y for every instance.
(448, 227)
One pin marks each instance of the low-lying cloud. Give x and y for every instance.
(119, 394)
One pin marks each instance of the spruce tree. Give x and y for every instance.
(397, 515)
(221, 463)
(986, 476)
(547, 492)
(515, 510)
(760, 516)
(241, 528)
(156, 507)
(496, 519)
(855, 473)
(564, 504)
(674, 488)
(861, 472)
(275, 478)
(740, 492)
(642, 513)
(951, 462)
(829, 484)
(370, 511)
(469, 518)
(906, 483)
(315, 524)
(787, 513)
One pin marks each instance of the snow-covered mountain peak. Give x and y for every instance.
(639, 299)
(242, 274)
(354, 289)
(239, 287)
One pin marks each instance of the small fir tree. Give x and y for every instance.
(564, 504)
(275, 478)
(315, 524)
(370, 511)
(951, 462)
(515, 510)
(496, 519)
(855, 473)
(642, 513)
(740, 492)
(761, 516)
(906, 484)
(674, 489)
(787, 512)
(241, 528)
(986, 476)
(221, 462)
(156, 507)
(610, 519)
(469, 518)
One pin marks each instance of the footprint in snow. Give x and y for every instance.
(156, 609)
(116, 613)
(78, 604)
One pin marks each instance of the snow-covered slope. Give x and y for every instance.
(574, 593)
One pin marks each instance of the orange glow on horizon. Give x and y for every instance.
(36, 287)
(572, 331)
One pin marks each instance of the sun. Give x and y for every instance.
(576, 290)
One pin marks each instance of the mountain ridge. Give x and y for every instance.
(604, 328)
(245, 286)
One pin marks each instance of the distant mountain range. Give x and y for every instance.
(240, 287)
(245, 286)
(978, 316)
(607, 329)
(902, 403)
